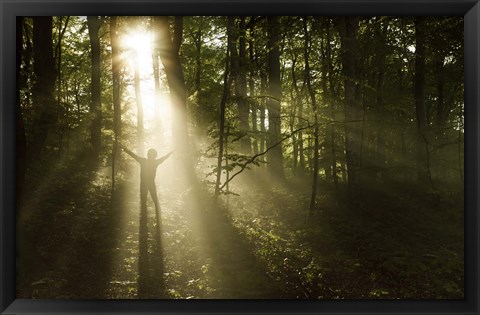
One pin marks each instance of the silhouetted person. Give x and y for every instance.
(149, 285)
(148, 170)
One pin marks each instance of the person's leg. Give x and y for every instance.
(153, 192)
(143, 194)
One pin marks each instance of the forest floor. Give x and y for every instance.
(398, 243)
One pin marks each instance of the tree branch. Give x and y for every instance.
(252, 159)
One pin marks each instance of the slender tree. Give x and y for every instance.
(251, 87)
(223, 102)
(348, 34)
(198, 72)
(241, 88)
(263, 109)
(169, 55)
(139, 103)
(156, 64)
(422, 145)
(116, 64)
(380, 60)
(331, 131)
(43, 87)
(94, 23)
(275, 158)
(311, 91)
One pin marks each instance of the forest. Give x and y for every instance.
(239, 157)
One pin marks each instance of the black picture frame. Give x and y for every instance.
(9, 9)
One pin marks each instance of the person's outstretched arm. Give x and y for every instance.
(163, 158)
(133, 155)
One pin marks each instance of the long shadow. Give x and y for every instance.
(151, 283)
(234, 272)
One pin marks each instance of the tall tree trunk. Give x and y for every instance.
(198, 71)
(156, 65)
(275, 158)
(116, 64)
(332, 105)
(223, 102)
(58, 68)
(348, 34)
(440, 85)
(327, 164)
(43, 87)
(169, 55)
(422, 153)
(139, 102)
(198, 60)
(294, 92)
(263, 115)
(93, 23)
(306, 50)
(381, 55)
(243, 106)
(301, 147)
(253, 102)
(298, 117)
(441, 117)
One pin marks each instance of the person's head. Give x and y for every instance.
(152, 154)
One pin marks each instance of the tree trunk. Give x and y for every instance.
(422, 158)
(198, 60)
(243, 107)
(221, 129)
(332, 106)
(43, 87)
(327, 164)
(348, 34)
(311, 91)
(58, 69)
(138, 101)
(263, 116)
(198, 71)
(442, 111)
(380, 60)
(253, 103)
(275, 158)
(116, 64)
(93, 23)
(156, 66)
(169, 55)
(294, 92)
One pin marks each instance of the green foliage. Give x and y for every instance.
(339, 254)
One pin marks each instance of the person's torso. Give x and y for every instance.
(148, 170)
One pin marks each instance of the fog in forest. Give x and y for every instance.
(240, 157)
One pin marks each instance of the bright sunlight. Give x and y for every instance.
(137, 52)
